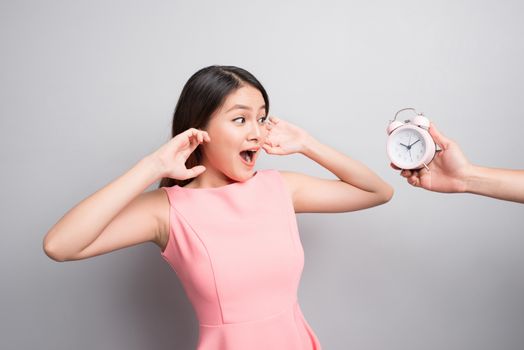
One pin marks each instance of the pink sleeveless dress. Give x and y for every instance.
(237, 252)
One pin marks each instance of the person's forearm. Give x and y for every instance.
(81, 225)
(345, 168)
(497, 183)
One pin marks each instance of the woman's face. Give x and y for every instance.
(238, 125)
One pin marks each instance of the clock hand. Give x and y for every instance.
(408, 147)
(414, 143)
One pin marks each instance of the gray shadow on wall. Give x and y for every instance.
(154, 295)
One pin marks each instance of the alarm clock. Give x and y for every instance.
(409, 144)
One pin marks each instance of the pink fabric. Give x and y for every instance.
(237, 251)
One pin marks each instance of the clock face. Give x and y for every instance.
(407, 147)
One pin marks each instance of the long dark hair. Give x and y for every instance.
(203, 93)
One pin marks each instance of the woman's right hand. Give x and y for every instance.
(172, 156)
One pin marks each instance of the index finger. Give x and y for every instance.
(394, 166)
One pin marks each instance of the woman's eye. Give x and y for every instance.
(239, 120)
(263, 120)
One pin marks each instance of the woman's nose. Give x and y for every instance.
(254, 132)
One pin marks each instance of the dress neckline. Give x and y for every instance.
(219, 187)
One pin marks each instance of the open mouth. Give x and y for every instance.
(248, 156)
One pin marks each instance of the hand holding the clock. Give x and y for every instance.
(448, 170)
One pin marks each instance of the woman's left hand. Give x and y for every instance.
(284, 138)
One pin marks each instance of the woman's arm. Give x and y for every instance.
(357, 188)
(120, 215)
(110, 219)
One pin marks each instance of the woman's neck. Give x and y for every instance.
(209, 179)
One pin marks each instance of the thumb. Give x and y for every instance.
(195, 171)
(440, 139)
(271, 150)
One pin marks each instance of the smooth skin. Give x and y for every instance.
(121, 214)
(451, 172)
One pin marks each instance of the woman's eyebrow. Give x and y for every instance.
(237, 106)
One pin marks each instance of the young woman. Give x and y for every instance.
(229, 232)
